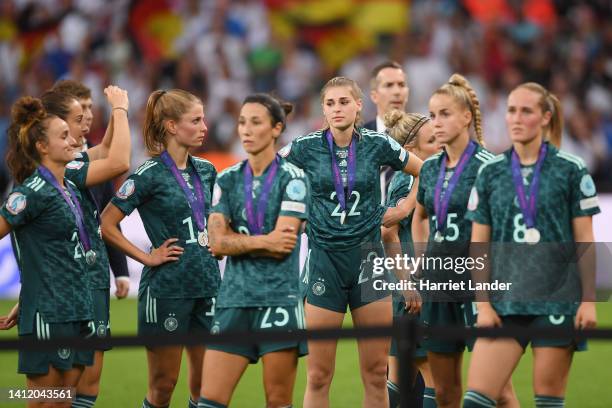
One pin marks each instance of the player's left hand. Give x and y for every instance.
(586, 316)
(10, 320)
(123, 287)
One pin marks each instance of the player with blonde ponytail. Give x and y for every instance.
(439, 220)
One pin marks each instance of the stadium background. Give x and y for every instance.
(222, 50)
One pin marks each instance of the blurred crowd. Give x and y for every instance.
(223, 50)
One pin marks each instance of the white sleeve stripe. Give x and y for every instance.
(293, 206)
(588, 203)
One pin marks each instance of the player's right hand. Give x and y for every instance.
(413, 301)
(117, 97)
(9, 321)
(165, 253)
(487, 316)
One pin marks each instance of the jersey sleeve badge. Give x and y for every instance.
(126, 189)
(75, 165)
(587, 186)
(473, 201)
(296, 189)
(216, 194)
(16, 203)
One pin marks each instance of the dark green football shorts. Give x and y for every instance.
(250, 319)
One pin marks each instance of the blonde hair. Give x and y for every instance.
(404, 127)
(162, 106)
(548, 103)
(341, 81)
(459, 88)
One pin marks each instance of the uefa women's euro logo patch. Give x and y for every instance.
(587, 186)
(296, 190)
(126, 189)
(16, 203)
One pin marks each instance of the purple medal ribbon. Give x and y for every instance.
(196, 202)
(256, 223)
(73, 202)
(441, 203)
(351, 170)
(528, 208)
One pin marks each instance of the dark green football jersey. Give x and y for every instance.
(458, 228)
(364, 212)
(250, 281)
(51, 260)
(538, 272)
(165, 213)
(399, 187)
(76, 171)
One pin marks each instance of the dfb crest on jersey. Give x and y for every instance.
(215, 329)
(16, 203)
(296, 189)
(318, 288)
(64, 353)
(126, 189)
(170, 324)
(101, 330)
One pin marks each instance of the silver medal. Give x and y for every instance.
(438, 237)
(342, 217)
(203, 238)
(532, 236)
(90, 257)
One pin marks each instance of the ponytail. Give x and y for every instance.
(162, 106)
(459, 88)
(28, 126)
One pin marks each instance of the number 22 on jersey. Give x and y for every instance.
(352, 212)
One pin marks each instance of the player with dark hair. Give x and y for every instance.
(86, 173)
(259, 206)
(52, 243)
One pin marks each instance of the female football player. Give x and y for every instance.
(172, 192)
(533, 193)
(85, 173)
(343, 164)
(439, 220)
(415, 133)
(52, 242)
(258, 208)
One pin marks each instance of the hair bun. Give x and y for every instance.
(458, 80)
(27, 110)
(287, 107)
(392, 118)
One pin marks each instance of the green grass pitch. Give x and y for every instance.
(125, 371)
